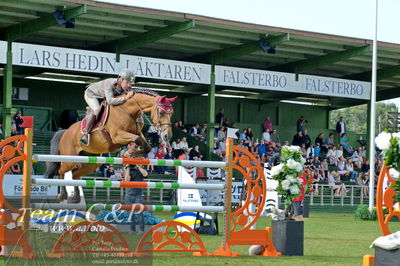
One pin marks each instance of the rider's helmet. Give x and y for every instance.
(127, 75)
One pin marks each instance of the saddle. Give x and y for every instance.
(101, 119)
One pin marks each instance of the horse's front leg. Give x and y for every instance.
(145, 145)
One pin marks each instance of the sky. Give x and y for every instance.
(353, 18)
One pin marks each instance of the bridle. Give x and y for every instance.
(167, 108)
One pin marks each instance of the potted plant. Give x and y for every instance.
(288, 235)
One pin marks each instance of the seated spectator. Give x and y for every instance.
(318, 168)
(152, 134)
(306, 138)
(310, 152)
(194, 153)
(159, 155)
(298, 138)
(274, 136)
(176, 149)
(357, 159)
(261, 148)
(183, 144)
(169, 155)
(362, 152)
(249, 135)
(222, 145)
(317, 149)
(109, 171)
(342, 167)
(330, 140)
(181, 126)
(241, 144)
(365, 166)
(362, 183)
(303, 150)
(203, 131)
(320, 140)
(266, 136)
(325, 167)
(217, 151)
(345, 143)
(151, 155)
(195, 131)
(242, 135)
(350, 168)
(268, 161)
(221, 133)
(335, 183)
(339, 152)
(254, 149)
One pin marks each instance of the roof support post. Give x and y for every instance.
(211, 113)
(7, 93)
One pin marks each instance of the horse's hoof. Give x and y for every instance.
(62, 197)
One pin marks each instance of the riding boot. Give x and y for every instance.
(90, 121)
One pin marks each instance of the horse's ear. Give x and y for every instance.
(171, 100)
(162, 99)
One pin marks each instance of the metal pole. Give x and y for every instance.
(373, 111)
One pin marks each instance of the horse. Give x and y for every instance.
(123, 125)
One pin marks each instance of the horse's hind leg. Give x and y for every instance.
(76, 175)
(65, 167)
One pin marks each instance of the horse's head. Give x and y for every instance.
(161, 117)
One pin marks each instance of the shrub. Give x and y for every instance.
(363, 213)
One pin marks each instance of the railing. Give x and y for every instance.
(326, 196)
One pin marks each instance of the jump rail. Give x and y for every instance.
(116, 160)
(124, 184)
(127, 207)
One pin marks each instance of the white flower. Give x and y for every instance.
(302, 160)
(383, 141)
(294, 189)
(289, 177)
(276, 170)
(299, 167)
(294, 148)
(394, 173)
(292, 164)
(285, 184)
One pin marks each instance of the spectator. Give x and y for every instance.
(181, 126)
(219, 118)
(267, 124)
(261, 148)
(335, 183)
(298, 138)
(225, 122)
(332, 156)
(183, 144)
(339, 152)
(301, 123)
(330, 140)
(306, 138)
(176, 149)
(195, 153)
(318, 168)
(195, 131)
(128, 151)
(159, 155)
(345, 143)
(242, 135)
(362, 184)
(266, 136)
(152, 134)
(222, 145)
(151, 155)
(18, 122)
(350, 168)
(297, 205)
(320, 140)
(135, 195)
(203, 131)
(109, 171)
(365, 166)
(325, 167)
(274, 136)
(13, 128)
(310, 152)
(217, 151)
(249, 135)
(357, 159)
(221, 133)
(317, 150)
(240, 144)
(341, 126)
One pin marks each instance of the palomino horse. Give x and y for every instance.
(124, 125)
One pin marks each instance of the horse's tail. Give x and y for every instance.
(52, 167)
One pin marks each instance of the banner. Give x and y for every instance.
(12, 188)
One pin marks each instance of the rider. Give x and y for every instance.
(107, 89)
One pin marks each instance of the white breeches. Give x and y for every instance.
(93, 103)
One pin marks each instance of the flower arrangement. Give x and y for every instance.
(389, 144)
(288, 173)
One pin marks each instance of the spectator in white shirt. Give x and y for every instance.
(266, 136)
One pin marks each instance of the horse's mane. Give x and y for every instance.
(146, 91)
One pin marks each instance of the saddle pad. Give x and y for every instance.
(100, 123)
